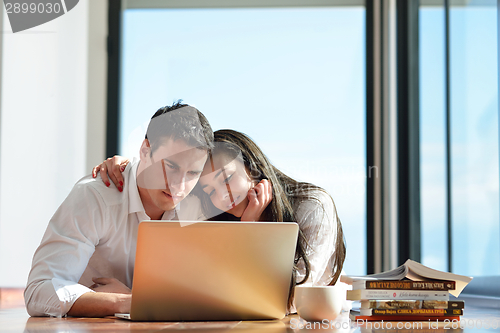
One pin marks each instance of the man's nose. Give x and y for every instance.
(177, 184)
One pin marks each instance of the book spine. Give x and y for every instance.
(416, 312)
(412, 304)
(430, 304)
(406, 285)
(403, 318)
(379, 294)
(408, 304)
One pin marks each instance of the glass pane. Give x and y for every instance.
(293, 79)
(434, 232)
(474, 106)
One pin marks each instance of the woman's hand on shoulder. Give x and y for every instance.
(112, 168)
(259, 198)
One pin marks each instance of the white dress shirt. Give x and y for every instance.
(92, 234)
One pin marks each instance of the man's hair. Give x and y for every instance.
(180, 121)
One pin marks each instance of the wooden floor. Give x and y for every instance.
(14, 318)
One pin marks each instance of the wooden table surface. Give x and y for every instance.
(14, 318)
(17, 320)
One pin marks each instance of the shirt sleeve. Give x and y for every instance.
(63, 254)
(317, 219)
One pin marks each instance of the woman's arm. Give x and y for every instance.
(317, 219)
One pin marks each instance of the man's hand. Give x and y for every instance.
(110, 297)
(109, 285)
(258, 198)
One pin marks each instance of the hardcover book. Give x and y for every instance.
(412, 304)
(356, 316)
(414, 271)
(404, 284)
(411, 312)
(381, 294)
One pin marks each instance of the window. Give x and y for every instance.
(433, 216)
(473, 106)
(292, 78)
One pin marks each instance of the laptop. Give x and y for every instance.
(204, 271)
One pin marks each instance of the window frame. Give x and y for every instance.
(393, 234)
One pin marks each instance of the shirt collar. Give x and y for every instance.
(134, 199)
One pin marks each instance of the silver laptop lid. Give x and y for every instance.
(189, 271)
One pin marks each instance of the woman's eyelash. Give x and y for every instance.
(224, 181)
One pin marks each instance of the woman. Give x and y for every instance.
(239, 183)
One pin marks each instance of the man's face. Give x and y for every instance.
(171, 172)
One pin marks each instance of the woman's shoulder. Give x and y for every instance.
(314, 197)
(314, 201)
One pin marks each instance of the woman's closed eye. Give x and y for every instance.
(225, 181)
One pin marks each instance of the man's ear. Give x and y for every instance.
(145, 151)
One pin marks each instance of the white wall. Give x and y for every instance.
(52, 121)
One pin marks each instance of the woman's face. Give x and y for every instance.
(227, 186)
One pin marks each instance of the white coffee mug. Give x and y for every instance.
(316, 303)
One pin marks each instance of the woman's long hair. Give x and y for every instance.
(287, 194)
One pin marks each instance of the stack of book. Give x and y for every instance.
(411, 292)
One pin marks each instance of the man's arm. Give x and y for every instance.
(111, 296)
(100, 305)
(65, 250)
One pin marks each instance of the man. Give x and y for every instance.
(84, 264)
